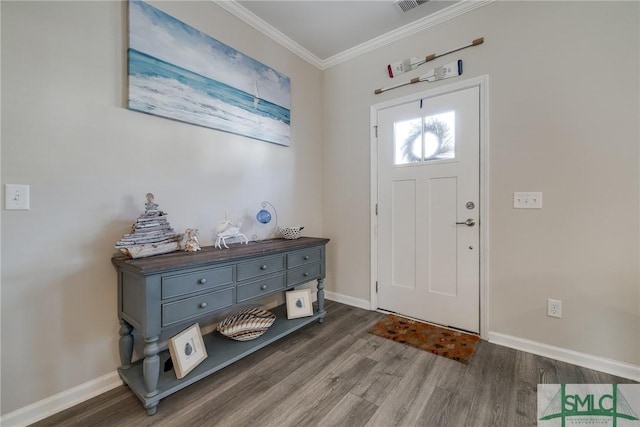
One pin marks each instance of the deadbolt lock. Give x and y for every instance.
(470, 205)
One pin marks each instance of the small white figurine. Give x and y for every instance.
(226, 230)
(192, 244)
(224, 224)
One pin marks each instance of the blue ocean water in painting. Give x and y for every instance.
(160, 88)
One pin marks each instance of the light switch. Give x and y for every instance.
(16, 197)
(531, 200)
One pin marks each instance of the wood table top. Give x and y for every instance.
(209, 254)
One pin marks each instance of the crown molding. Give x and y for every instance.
(430, 21)
(453, 11)
(244, 14)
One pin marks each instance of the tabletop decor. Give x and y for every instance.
(265, 216)
(187, 350)
(227, 230)
(193, 243)
(150, 235)
(291, 233)
(180, 73)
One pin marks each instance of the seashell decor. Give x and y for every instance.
(290, 233)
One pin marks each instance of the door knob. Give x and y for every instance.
(469, 223)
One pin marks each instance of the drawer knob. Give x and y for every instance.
(264, 287)
(305, 274)
(306, 257)
(202, 305)
(202, 281)
(263, 267)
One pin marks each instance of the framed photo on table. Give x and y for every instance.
(187, 350)
(299, 303)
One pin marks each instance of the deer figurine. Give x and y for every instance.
(227, 230)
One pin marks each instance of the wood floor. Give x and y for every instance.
(337, 374)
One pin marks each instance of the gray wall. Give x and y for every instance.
(559, 124)
(564, 107)
(90, 162)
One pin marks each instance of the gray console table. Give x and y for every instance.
(165, 292)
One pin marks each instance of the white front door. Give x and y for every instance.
(428, 209)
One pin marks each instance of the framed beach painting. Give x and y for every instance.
(178, 72)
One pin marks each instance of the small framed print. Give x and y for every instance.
(299, 304)
(187, 350)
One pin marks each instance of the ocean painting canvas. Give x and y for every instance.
(178, 72)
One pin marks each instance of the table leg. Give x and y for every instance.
(126, 344)
(320, 294)
(152, 409)
(151, 367)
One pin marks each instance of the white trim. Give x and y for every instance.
(244, 14)
(57, 403)
(450, 12)
(483, 86)
(482, 82)
(346, 299)
(373, 180)
(427, 22)
(585, 360)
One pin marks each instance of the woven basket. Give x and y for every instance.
(246, 325)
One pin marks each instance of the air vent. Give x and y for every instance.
(407, 5)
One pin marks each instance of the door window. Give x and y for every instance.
(425, 139)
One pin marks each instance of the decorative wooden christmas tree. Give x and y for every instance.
(150, 235)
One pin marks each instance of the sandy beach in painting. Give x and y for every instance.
(180, 73)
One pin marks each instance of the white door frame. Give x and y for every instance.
(482, 82)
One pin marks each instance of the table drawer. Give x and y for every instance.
(303, 274)
(182, 284)
(195, 307)
(260, 287)
(260, 267)
(304, 257)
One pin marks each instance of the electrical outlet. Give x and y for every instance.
(554, 308)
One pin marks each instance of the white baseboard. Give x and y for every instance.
(585, 360)
(345, 299)
(52, 405)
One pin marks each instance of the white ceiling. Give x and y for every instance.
(327, 32)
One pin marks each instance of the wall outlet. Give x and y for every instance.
(554, 308)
